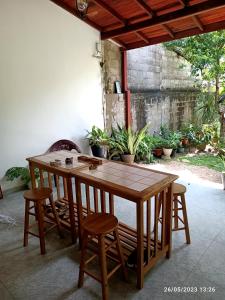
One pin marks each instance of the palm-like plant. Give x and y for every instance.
(126, 141)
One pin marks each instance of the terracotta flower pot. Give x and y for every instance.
(201, 147)
(128, 158)
(157, 152)
(185, 141)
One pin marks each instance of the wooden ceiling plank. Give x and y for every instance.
(168, 30)
(182, 3)
(198, 23)
(178, 35)
(74, 12)
(110, 10)
(142, 36)
(188, 11)
(143, 5)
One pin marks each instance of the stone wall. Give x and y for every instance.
(112, 66)
(115, 110)
(162, 107)
(162, 89)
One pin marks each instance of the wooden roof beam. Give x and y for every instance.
(178, 35)
(170, 32)
(148, 10)
(198, 23)
(142, 36)
(74, 12)
(110, 10)
(180, 14)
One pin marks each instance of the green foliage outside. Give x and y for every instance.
(208, 160)
(206, 54)
(23, 173)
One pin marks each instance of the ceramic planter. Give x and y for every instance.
(98, 151)
(128, 158)
(180, 150)
(167, 152)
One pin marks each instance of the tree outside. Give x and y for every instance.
(206, 54)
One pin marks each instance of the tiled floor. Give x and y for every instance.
(26, 275)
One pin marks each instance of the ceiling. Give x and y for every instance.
(138, 23)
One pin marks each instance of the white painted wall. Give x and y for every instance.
(50, 85)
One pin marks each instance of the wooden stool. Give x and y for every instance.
(38, 197)
(179, 190)
(99, 225)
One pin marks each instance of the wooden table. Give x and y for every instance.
(142, 186)
(152, 236)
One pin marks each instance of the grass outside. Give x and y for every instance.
(205, 160)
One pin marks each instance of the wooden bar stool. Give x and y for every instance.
(35, 201)
(179, 191)
(99, 225)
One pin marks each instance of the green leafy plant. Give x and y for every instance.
(170, 139)
(125, 141)
(206, 54)
(22, 172)
(144, 151)
(97, 136)
(157, 142)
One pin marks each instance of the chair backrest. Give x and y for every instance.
(64, 145)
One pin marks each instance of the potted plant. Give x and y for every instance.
(98, 140)
(21, 172)
(144, 151)
(125, 142)
(157, 150)
(168, 145)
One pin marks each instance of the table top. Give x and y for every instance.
(45, 159)
(122, 179)
(126, 180)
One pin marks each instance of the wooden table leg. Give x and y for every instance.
(79, 209)
(140, 245)
(71, 209)
(168, 231)
(32, 176)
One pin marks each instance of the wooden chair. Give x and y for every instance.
(64, 145)
(98, 225)
(35, 201)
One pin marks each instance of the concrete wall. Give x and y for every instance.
(162, 89)
(155, 68)
(50, 83)
(162, 107)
